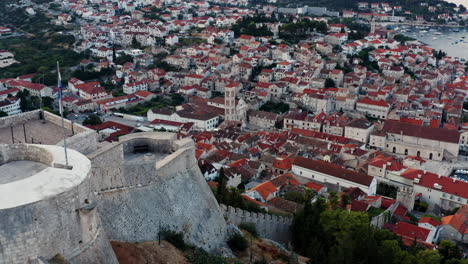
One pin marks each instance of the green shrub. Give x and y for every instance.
(250, 227)
(412, 218)
(175, 238)
(58, 259)
(92, 120)
(237, 242)
(261, 261)
(200, 256)
(420, 206)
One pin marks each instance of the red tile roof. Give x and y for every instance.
(314, 186)
(253, 200)
(359, 206)
(91, 88)
(430, 221)
(390, 165)
(246, 37)
(386, 203)
(285, 179)
(412, 231)
(9, 91)
(121, 129)
(166, 122)
(238, 163)
(27, 85)
(430, 180)
(283, 163)
(457, 221)
(334, 170)
(198, 153)
(367, 100)
(401, 210)
(143, 94)
(265, 189)
(411, 121)
(439, 134)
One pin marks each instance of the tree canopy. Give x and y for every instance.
(92, 120)
(328, 235)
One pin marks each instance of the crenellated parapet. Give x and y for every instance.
(269, 226)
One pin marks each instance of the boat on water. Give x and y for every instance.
(455, 30)
(423, 31)
(434, 38)
(437, 33)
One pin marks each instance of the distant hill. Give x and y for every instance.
(338, 5)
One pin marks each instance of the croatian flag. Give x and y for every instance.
(59, 85)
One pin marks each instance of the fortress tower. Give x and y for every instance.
(230, 104)
(127, 191)
(151, 181)
(46, 209)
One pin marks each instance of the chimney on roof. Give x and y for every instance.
(424, 172)
(419, 176)
(454, 180)
(439, 176)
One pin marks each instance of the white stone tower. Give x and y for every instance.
(230, 103)
(372, 25)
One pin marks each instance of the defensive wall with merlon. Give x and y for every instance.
(277, 228)
(42, 127)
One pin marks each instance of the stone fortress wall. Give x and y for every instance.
(273, 227)
(134, 188)
(84, 140)
(56, 218)
(380, 220)
(19, 118)
(162, 188)
(81, 139)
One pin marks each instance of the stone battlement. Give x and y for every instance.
(127, 191)
(42, 127)
(268, 226)
(148, 181)
(253, 215)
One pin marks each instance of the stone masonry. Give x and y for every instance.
(277, 228)
(163, 188)
(43, 218)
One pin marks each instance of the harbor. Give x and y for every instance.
(453, 41)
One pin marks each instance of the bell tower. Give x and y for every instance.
(372, 25)
(230, 103)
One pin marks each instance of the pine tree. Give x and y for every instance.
(221, 192)
(114, 57)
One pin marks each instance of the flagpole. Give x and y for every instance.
(59, 84)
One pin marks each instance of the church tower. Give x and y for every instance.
(372, 25)
(230, 103)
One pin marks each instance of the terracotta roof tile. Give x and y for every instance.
(334, 170)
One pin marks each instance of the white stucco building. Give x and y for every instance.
(333, 174)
